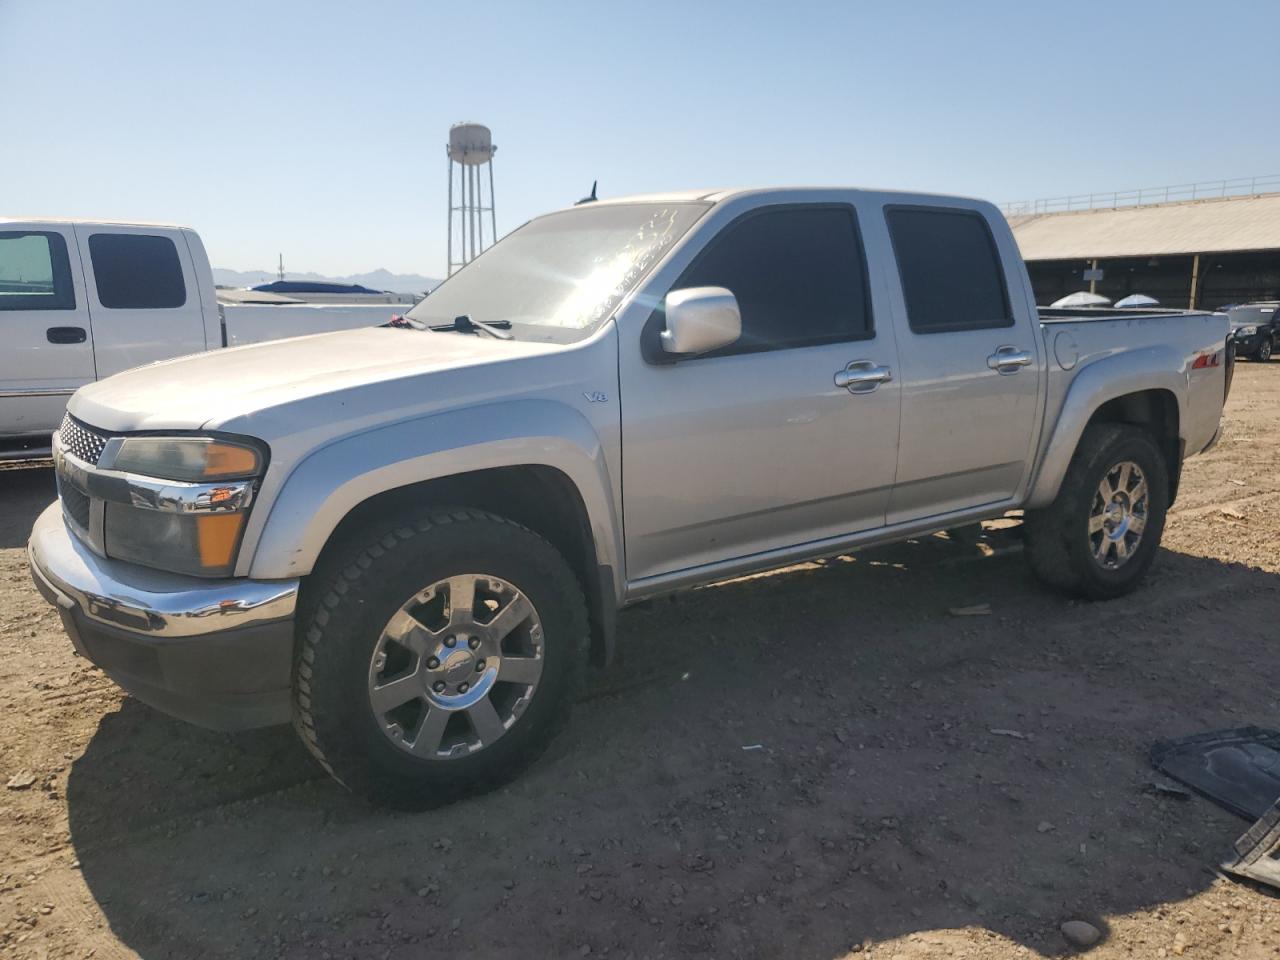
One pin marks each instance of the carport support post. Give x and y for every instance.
(1093, 284)
(1195, 280)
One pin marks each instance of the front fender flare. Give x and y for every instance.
(1131, 371)
(327, 484)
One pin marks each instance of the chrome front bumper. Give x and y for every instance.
(215, 652)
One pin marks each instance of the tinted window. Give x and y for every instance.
(798, 275)
(136, 272)
(35, 273)
(951, 276)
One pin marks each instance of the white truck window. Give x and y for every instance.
(950, 269)
(34, 272)
(798, 274)
(137, 271)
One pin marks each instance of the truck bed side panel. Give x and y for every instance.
(1093, 360)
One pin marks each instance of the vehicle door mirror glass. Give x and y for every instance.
(700, 319)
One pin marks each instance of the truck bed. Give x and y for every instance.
(1079, 314)
(245, 323)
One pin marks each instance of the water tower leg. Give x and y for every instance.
(493, 216)
(471, 171)
(449, 220)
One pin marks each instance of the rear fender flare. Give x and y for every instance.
(1132, 371)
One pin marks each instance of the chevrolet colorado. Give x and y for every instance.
(411, 540)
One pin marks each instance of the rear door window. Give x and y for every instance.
(35, 272)
(137, 271)
(950, 269)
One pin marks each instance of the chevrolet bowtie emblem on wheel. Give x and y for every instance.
(595, 396)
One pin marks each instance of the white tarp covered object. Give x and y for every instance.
(1082, 299)
(1137, 300)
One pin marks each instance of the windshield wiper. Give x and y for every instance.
(464, 324)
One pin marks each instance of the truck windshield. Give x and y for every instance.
(559, 276)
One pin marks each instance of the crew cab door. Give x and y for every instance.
(143, 296)
(46, 350)
(754, 447)
(970, 358)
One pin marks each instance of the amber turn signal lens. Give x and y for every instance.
(217, 535)
(229, 460)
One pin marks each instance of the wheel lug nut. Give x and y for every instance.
(438, 686)
(473, 642)
(463, 687)
(450, 641)
(479, 666)
(432, 663)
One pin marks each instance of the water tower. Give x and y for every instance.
(470, 151)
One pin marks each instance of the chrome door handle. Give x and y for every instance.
(1009, 360)
(862, 376)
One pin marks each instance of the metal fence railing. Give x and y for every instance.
(1204, 190)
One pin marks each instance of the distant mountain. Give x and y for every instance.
(379, 279)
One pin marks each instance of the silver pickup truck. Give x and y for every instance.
(411, 540)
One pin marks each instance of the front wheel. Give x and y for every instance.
(1264, 351)
(440, 658)
(1100, 535)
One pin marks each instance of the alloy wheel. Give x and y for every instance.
(456, 666)
(1118, 515)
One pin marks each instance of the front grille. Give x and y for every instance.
(82, 442)
(76, 504)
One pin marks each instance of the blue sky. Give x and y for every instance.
(318, 128)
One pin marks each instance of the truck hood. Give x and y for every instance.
(218, 389)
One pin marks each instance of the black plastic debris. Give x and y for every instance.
(1237, 769)
(1256, 854)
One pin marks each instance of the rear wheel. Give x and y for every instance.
(1264, 350)
(1101, 534)
(441, 659)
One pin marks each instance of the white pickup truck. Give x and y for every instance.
(80, 301)
(410, 540)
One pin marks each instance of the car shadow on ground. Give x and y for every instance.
(24, 492)
(794, 763)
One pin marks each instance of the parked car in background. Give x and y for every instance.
(411, 540)
(1255, 327)
(80, 301)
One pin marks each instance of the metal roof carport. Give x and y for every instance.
(1199, 253)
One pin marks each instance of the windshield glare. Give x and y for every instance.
(563, 273)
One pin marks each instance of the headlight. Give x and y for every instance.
(1246, 331)
(187, 458)
(184, 503)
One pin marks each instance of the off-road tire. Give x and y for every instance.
(1057, 538)
(342, 620)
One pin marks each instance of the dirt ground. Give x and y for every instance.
(880, 816)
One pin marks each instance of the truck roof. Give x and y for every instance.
(35, 221)
(715, 195)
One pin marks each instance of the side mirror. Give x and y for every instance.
(700, 319)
